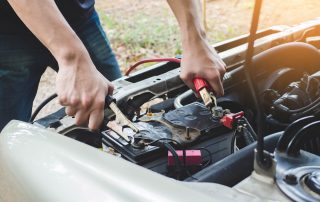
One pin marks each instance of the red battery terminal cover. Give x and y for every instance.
(192, 158)
(228, 120)
(200, 83)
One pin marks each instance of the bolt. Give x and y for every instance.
(188, 137)
(290, 179)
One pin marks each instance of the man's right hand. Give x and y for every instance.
(82, 89)
(199, 58)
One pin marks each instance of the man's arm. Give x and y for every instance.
(199, 58)
(80, 87)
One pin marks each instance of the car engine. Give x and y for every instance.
(182, 139)
(172, 119)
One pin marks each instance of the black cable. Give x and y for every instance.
(250, 129)
(247, 137)
(209, 155)
(176, 158)
(306, 112)
(291, 130)
(184, 158)
(308, 132)
(233, 140)
(165, 139)
(301, 110)
(204, 166)
(180, 168)
(39, 108)
(312, 105)
(262, 159)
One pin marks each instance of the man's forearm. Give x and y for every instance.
(187, 14)
(199, 58)
(46, 22)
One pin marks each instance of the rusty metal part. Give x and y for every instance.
(118, 129)
(121, 118)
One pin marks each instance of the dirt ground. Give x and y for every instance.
(146, 28)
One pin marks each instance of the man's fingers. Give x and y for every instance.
(63, 100)
(216, 85)
(88, 110)
(214, 80)
(190, 84)
(81, 117)
(95, 119)
(97, 113)
(71, 111)
(187, 78)
(110, 89)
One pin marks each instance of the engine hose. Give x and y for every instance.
(307, 111)
(291, 130)
(305, 134)
(300, 110)
(179, 100)
(296, 55)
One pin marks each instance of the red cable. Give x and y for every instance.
(176, 60)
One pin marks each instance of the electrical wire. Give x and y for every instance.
(39, 108)
(306, 109)
(249, 127)
(233, 142)
(130, 69)
(305, 134)
(262, 159)
(176, 158)
(209, 155)
(181, 168)
(292, 111)
(165, 139)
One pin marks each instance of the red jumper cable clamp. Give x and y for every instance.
(229, 120)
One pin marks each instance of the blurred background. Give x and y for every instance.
(141, 29)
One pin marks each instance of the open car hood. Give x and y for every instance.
(51, 167)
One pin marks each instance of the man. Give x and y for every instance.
(73, 42)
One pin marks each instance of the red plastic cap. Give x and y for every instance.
(192, 158)
(229, 119)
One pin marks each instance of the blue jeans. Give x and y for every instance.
(23, 59)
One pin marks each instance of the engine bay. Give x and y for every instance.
(180, 138)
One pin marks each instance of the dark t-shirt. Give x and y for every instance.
(75, 12)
